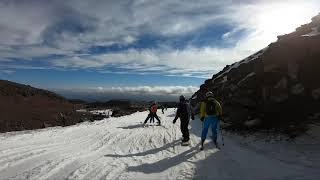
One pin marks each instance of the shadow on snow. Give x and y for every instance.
(145, 153)
(202, 167)
(132, 126)
(166, 163)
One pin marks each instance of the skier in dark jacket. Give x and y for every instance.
(153, 113)
(184, 113)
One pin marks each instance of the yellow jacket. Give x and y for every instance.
(203, 113)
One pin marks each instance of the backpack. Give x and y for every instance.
(154, 108)
(211, 107)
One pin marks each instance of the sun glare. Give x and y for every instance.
(283, 18)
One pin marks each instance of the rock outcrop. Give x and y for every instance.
(279, 85)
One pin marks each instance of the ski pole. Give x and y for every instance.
(202, 125)
(221, 135)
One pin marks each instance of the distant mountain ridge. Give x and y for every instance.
(275, 88)
(23, 107)
(8, 88)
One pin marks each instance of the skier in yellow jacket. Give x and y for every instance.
(210, 113)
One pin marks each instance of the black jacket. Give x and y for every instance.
(183, 111)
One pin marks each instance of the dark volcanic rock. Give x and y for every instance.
(278, 87)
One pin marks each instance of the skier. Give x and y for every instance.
(184, 113)
(153, 113)
(151, 118)
(210, 113)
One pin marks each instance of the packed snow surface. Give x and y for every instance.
(120, 148)
(106, 112)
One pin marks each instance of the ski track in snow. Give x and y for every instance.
(120, 148)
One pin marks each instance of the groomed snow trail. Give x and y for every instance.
(120, 148)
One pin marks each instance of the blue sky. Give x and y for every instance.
(136, 47)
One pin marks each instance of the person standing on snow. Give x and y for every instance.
(153, 113)
(184, 113)
(210, 113)
(162, 108)
(151, 116)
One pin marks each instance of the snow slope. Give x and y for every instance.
(120, 148)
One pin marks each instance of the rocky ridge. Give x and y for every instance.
(276, 88)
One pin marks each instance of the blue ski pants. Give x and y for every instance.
(214, 123)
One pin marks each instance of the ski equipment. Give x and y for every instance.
(211, 107)
(222, 139)
(216, 144)
(185, 143)
(202, 144)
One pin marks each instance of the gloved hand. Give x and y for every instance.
(192, 116)
(202, 119)
(174, 121)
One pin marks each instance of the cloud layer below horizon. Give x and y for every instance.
(158, 93)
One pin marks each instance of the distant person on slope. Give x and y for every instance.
(150, 116)
(153, 113)
(210, 113)
(184, 113)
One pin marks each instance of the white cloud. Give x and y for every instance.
(31, 52)
(37, 29)
(150, 90)
(266, 20)
(10, 67)
(192, 60)
(5, 71)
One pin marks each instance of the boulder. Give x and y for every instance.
(316, 94)
(297, 89)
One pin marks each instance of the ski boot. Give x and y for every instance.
(201, 148)
(185, 142)
(216, 144)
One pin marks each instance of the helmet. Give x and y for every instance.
(209, 94)
(182, 98)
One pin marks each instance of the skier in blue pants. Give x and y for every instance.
(214, 123)
(210, 113)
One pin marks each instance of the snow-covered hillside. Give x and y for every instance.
(120, 148)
